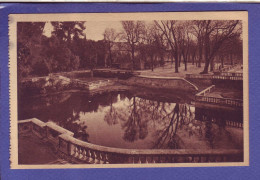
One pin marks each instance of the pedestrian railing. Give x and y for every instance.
(201, 97)
(227, 68)
(232, 74)
(222, 101)
(207, 90)
(78, 151)
(237, 77)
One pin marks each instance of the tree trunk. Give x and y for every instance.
(206, 67)
(222, 61)
(133, 58)
(152, 62)
(200, 54)
(179, 59)
(110, 58)
(212, 65)
(184, 61)
(207, 55)
(172, 59)
(176, 62)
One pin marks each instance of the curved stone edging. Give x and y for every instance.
(83, 152)
(176, 83)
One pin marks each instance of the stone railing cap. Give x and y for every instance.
(149, 151)
(59, 129)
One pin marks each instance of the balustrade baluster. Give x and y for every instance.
(146, 160)
(74, 150)
(80, 152)
(139, 160)
(84, 154)
(199, 159)
(89, 158)
(159, 159)
(224, 158)
(131, 160)
(93, 156)
(106, 159)
(96, 154)
(190, 159)
(101, 158)
(153, 159)
(207, 158)
(172, 159)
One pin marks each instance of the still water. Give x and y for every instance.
(133, 120)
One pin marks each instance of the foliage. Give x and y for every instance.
(139, 45)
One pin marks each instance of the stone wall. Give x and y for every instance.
(43, 85)
(58, 83)
(171, 83)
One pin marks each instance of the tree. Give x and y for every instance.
(197, 29)
(68, 29)
(132, 34)
(29, 35)
(215, 34)
(185, 41)
(170, 30)
(231, 48)
(149, 40)
(110, 36)
(57, 57)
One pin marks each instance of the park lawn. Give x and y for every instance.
(169, 71)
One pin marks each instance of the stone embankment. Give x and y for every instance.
(56, 83)
(171, 83)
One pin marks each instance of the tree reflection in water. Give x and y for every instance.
(63, 109)
(147, 120)
(166, 118)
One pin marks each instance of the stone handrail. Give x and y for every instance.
(78, 151)
(222, 77)
(225, 101)
(207, 90)
(227, 68)
(232, 74)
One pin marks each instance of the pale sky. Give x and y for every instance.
(94, 29)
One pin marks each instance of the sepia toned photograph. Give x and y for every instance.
(129, 90)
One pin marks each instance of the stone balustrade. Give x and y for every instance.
(232, 74)
(223, 101)
(207, 90)
(234, 124)
(227, 68)
(77, 151)
(220, 77)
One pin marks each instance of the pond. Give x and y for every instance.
(134, 120)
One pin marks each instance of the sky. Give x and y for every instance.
(94, 29)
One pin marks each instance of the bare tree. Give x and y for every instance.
(133, 31)
(185, 41)
(110, 36)
(150, 41)
(198, 29)
(215, 34)
(170, 30)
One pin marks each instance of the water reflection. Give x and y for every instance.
(131, 120)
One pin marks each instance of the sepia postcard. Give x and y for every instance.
(115, 90)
